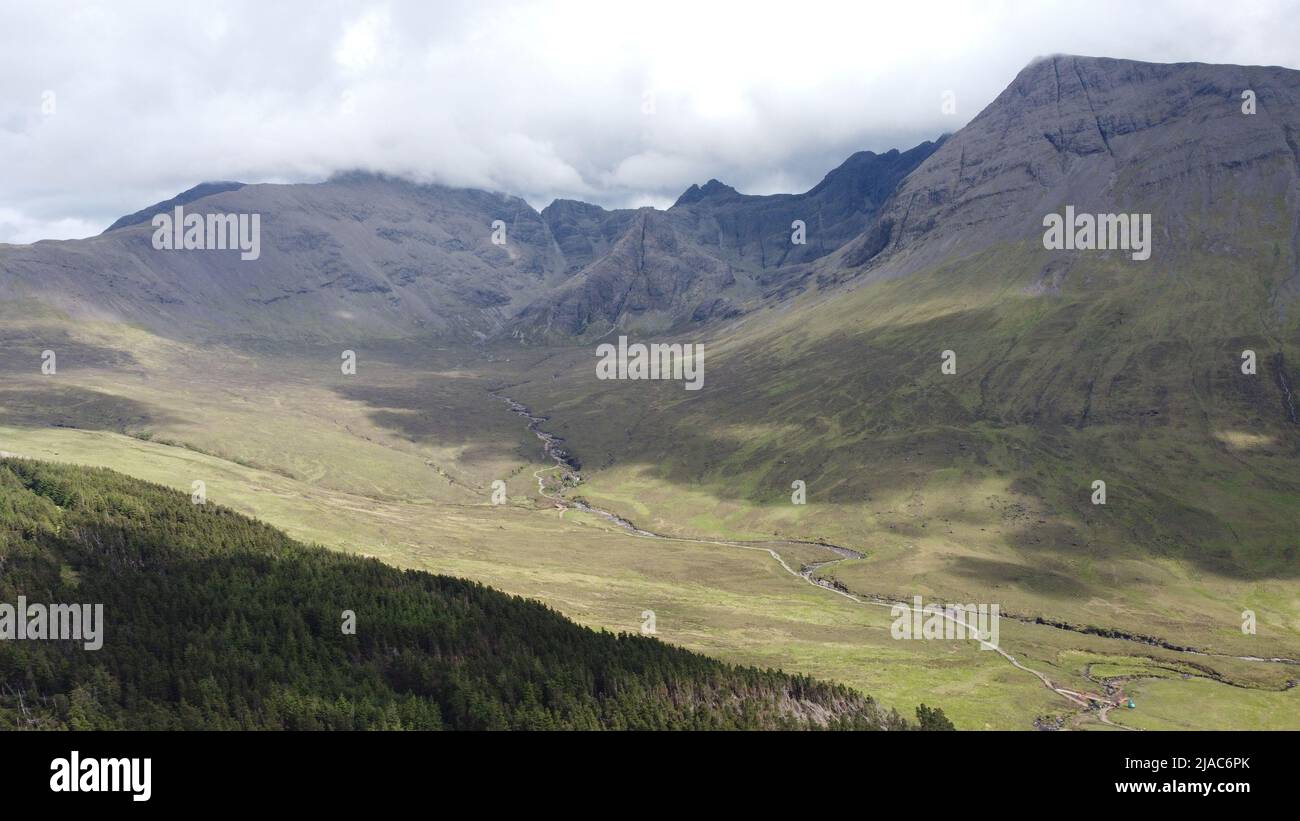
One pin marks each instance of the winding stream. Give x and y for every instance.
(569, 467)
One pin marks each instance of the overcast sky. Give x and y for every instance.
(108, 107)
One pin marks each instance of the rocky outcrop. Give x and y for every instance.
(1107, 136)
(713, 255)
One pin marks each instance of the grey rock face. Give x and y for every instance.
(1107, 136)
(841, 206)
(360, 255)
(368, 255)
(711, 255)
(652, 277)
(585, 232)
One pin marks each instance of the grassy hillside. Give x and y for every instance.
(214, 620)
(396, 463)
(977, 486)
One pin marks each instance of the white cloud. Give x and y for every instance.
(363, 40)
(541, 99)
(19, 229)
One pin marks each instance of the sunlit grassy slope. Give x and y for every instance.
(972, 487)
(978, 486)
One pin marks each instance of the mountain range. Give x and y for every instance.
(948, 388)
(364, 255)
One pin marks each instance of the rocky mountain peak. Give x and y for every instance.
(203, 189)
(711, 189)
